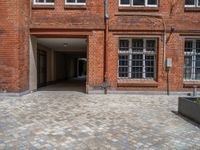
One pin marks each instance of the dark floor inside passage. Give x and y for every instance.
(75, 84)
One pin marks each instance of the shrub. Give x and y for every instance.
(198, 100)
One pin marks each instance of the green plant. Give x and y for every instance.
(198, 100)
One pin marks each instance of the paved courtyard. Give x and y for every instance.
(76, 121)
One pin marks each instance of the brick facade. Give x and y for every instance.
(20, 19)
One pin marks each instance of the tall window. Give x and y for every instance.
(192, 60)
(139, 3)
(192, 3)
(137, 59)
(43, 2)
(75, 2)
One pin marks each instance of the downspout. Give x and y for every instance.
(106, 19)
(164, 43)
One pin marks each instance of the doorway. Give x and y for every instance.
(58, 64)
(81, 68)
(42, 68)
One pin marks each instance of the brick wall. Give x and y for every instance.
(145, 22)
(13, 49)
(95, 59)
(62, 16)
(19, 18)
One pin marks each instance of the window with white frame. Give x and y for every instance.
(192, 3)
(75, 2)
(192, 59)
(137, 58)
(43, 2)
(139, 3)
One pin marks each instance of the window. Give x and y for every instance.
(137, 59)
(192, 60)
(139, 3)
(43, 2)
(75, 2)
(192, 3)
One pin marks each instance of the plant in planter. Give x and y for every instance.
(198, 100)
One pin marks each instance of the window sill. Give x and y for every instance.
(189, 84)
(138, 8)
(192, 9)
(139, 83)
(75, 6)
(43, 6)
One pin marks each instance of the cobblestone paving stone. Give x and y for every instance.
(76, 121)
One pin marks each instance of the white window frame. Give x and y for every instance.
(75, 3)
(129, 53)
(196, 4)
(42, 3)
(131, 4)
(194, 55)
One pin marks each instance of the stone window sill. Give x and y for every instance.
(138, 9)
(140, 83)
(192, 9)
(43, 6)
(189, 84)
(76, 7)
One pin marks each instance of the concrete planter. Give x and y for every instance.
(188, 107)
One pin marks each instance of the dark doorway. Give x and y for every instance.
(42, 68)
(82, 67)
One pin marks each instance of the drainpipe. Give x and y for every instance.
(106, 18)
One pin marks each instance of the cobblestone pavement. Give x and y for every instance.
(76, 121)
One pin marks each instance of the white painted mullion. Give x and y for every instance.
(193, 59)
(155, 62)
(130, 60)
(196, 3)
(195, 54)
(144, 65)
(145, 3)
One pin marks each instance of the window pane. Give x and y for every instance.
(39, 1)
(70, 1)
(149, 62)
(137, 66)
(188, 61)
(188, 73)
(123, 60)
(197, 74)
(152, 2)
(81, 1)
(189, 2)
(188, 46)
(138, 2)
(124, 45)
(50, 1)
(123, 72)
(197, 69)
(124, 2)
(198, 46)
(123, 65)
(188, 67)
(137, 45)
(150, 45)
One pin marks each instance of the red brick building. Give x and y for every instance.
(128, 44)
